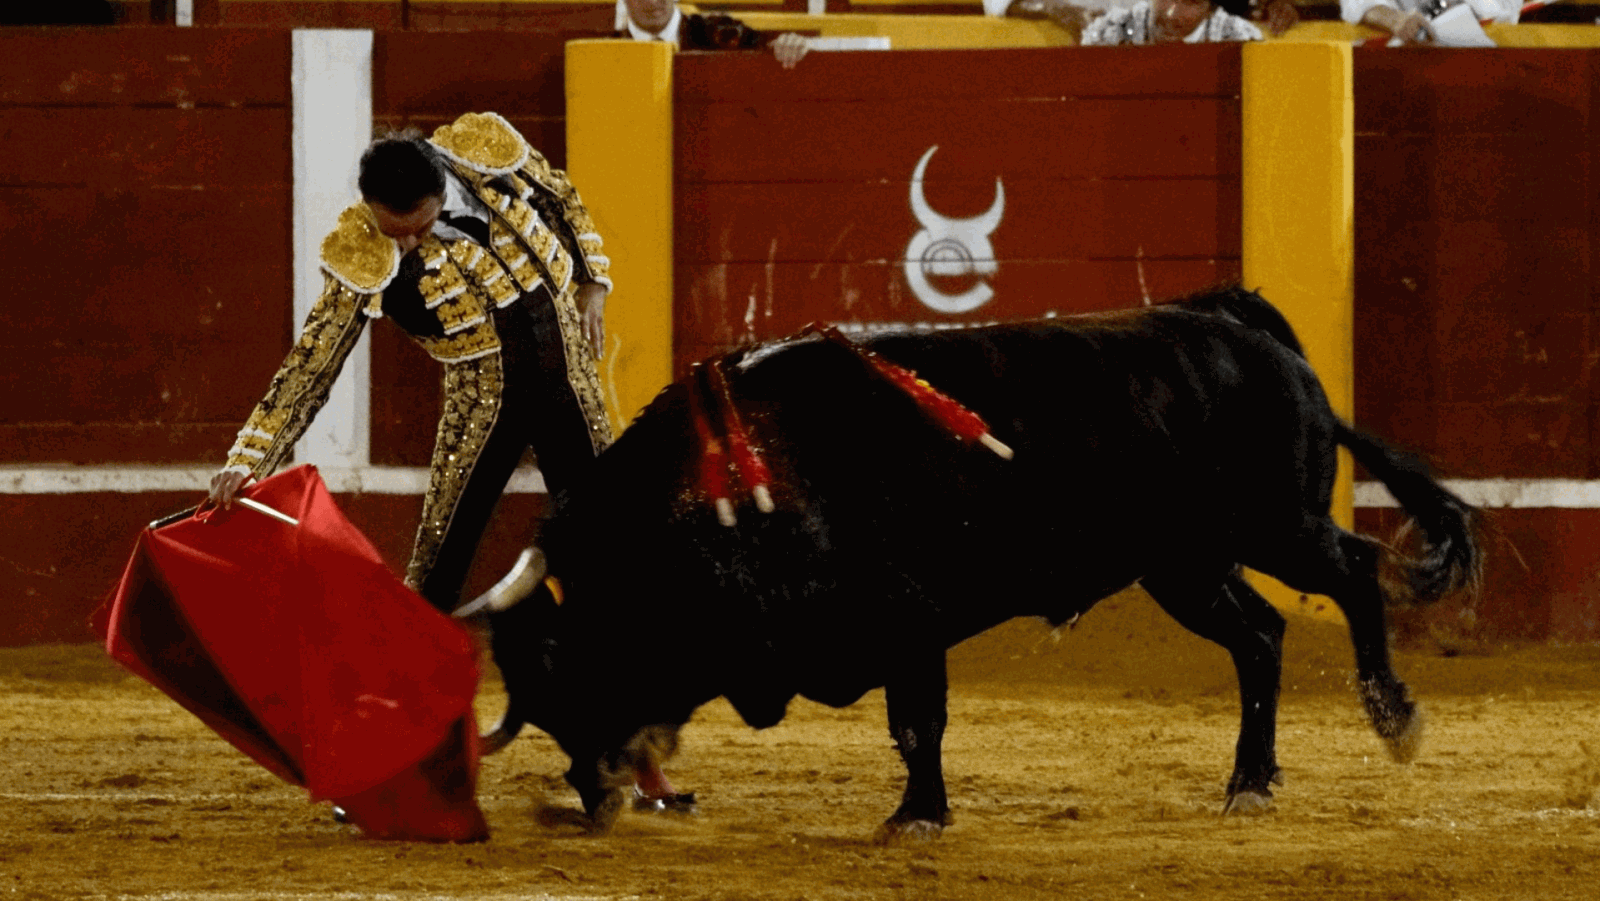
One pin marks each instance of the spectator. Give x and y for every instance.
(1278, 15)
(1071, 16)
(1169, 22)
(1410, 21)
(661, 20)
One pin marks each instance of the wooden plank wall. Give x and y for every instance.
(1476, 288)
(146, 189)
(1475, 222)
(592, 17)
(1120, 175)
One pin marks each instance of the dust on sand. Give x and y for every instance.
(1085, 765)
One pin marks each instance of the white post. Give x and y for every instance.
(816, 7)
(183, 14)
(331, 82)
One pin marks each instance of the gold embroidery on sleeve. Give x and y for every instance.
(302, 383)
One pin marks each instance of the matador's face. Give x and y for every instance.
(408, 229)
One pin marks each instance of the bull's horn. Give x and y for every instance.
(496, 739)
(524, 577)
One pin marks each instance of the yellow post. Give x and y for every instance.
(619, 155)
(1298, 188)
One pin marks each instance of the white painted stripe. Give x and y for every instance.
(145, 479)
(1559, 494)
(331, 81)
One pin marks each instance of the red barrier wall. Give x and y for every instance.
(1475, 228)
(146, 175)
(1475, 315)
(1120, 174)
(145, 190)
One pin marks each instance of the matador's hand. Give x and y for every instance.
(591, 299)
(225, 485)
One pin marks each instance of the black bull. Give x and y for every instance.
(1165, 446)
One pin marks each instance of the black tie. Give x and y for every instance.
(474, 228)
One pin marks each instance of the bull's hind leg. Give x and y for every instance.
(1325, 559)
(916, 698)
(1235, 616)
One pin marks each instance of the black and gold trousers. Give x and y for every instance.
(495, 408)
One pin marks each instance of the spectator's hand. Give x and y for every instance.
(1278, 15)
(591, 298)
(225, 485)
(1062, 12)
(789, 48)
(1413, 29)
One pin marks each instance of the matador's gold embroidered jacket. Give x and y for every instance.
(544, 245)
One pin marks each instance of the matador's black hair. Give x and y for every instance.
(400, 172)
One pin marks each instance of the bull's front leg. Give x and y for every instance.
(606, 780)
(917, 719)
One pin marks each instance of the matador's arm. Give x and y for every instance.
(303, 382)
(576, 229)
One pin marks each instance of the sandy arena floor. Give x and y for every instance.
(1090, 767)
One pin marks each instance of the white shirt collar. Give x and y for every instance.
(458, 202)
(668, 33)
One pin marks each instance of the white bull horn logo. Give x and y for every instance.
(951, 247)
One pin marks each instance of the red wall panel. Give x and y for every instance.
(419, 14)
(1541, 581)
(146, 197)
(795, 190)
(1475, 287)
(170, 66)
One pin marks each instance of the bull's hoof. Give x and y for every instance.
(1247, 804)
(908, 830)
(1395, 717)
(551, 816)
(1404, 745)
(903, 826)
(604, 815)
(681, 803)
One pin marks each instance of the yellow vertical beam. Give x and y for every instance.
(619, 155)
(1298, 186)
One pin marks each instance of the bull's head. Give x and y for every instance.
(568, 696)
(951, 247)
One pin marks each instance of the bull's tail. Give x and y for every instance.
(1444, 556)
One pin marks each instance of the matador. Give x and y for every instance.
(487, 258)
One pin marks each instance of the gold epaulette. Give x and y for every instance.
(483, 142)
(360, 256)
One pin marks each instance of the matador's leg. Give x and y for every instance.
(475, 452)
